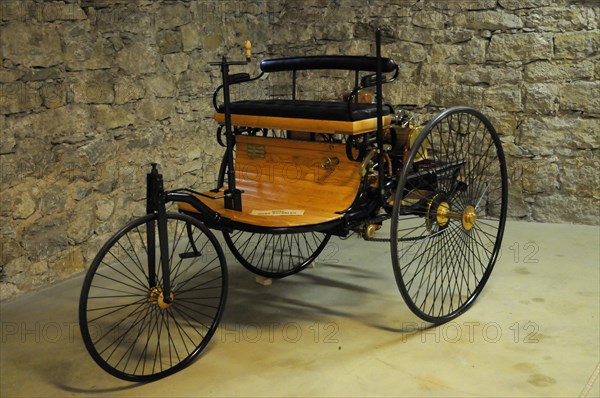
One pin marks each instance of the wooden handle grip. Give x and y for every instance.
(248, 47)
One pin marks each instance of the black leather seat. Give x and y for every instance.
(322, 110)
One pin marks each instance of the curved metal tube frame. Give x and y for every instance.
(216, 92)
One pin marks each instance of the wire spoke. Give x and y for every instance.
(443, 239)
(134, 333)
(276, 255)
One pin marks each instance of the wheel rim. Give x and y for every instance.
(276, 255)
(128, 327)
(448, 222)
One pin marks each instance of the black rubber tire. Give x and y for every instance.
(122, 322)
(276, 255)
(449, 214)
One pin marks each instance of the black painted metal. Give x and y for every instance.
(216, 92)
(233, 199)
(195, 252)
(356, 87)
(381, 158)
(341, 62)
(155, 203)
(207, 215)
(151, 228)
(294, 84)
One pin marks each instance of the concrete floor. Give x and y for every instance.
(341, 329)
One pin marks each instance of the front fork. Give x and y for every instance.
(155, 203)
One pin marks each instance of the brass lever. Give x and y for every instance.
(366, 161)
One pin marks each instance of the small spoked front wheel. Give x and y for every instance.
(449, 214)
(128, 326)
(276, 255)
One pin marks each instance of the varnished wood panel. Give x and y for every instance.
(290, 177)
(306, 125)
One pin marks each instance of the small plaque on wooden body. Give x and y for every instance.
(256, 151)
(277, 212)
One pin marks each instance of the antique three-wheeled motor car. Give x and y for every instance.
(294, 173)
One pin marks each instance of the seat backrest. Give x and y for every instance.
(332, 62)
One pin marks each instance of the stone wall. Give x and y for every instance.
(93, 91)
(532, 66)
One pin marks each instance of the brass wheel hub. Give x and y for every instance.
(469, 217)
(157, 297)
(443, 214)
(439, 212)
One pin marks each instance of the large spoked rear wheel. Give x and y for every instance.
(276, 255)
(449, 214)
(127, 326)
